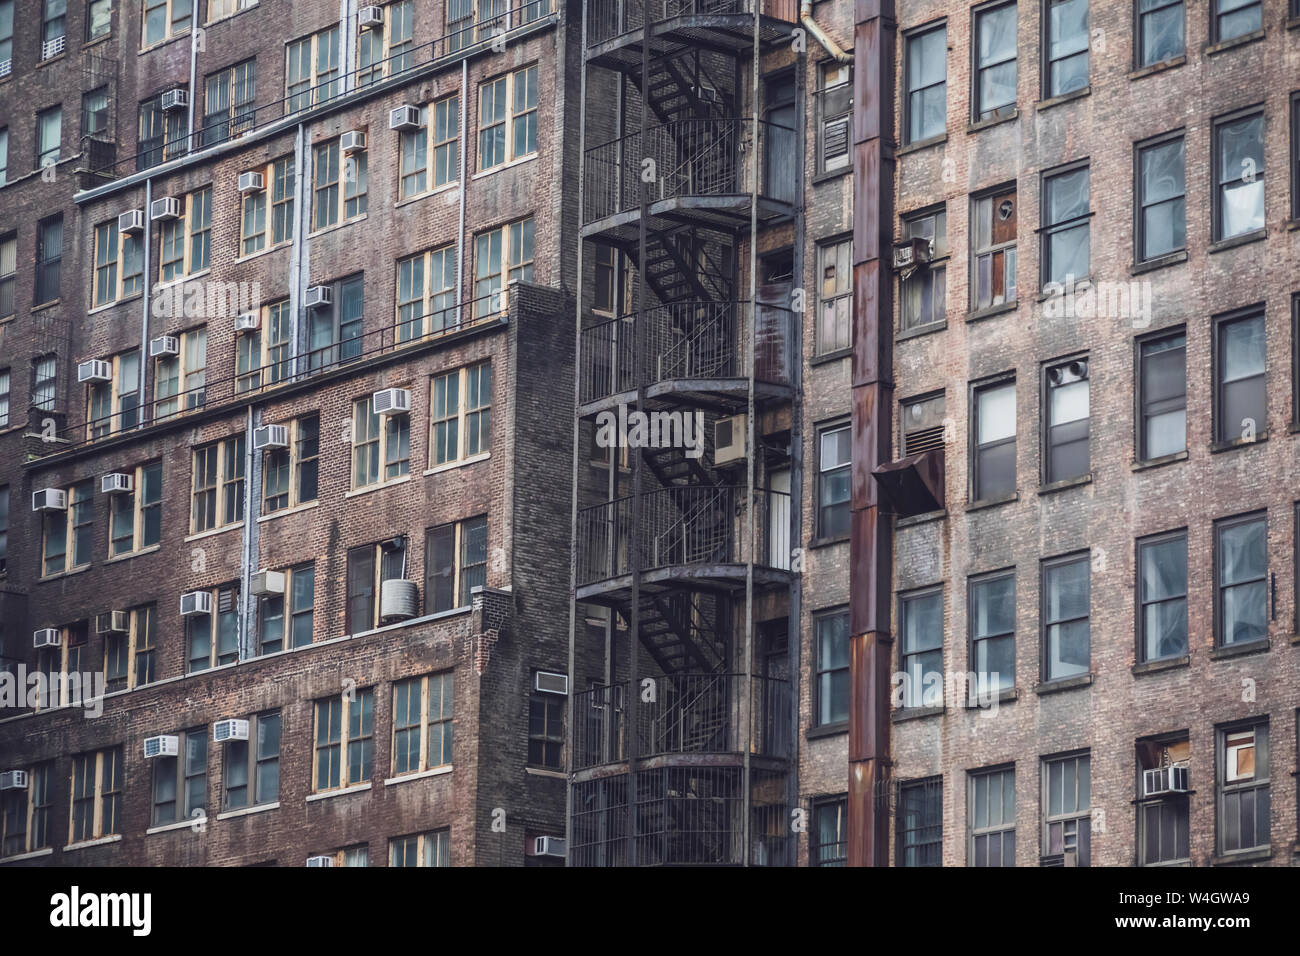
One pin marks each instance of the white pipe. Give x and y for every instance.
(833, 48)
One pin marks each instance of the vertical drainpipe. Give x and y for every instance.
(249, 549)
(871, 544)
(144, 303)
(460, 227)
(298, 333)
(194, 70)
(347, 44)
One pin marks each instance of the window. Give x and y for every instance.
(25, 814)
(921, 651)
(311, 72)
(507, 118)
(994, 95)
(252, 774)
(331, 204)
(924, 290)
(345, 740)
(49, 259)
(992, 629)
(461, 419)
(546, 730)
(1066, 47)
(1066, 227)
(67, 536)
(1241, 577)
(187, 241)
(96, 795)
(351, 856)
(1239, 175)
(220, 9)
(180, 783)
(4, 136)
(1163, 820)
(926, 69)
(493, 270)
(993, 279)
(189, 368)
(834, 116)
(422, 723)
(424, 849)
(94, 112)
(1162, 596)
(135, 516)
(1067, 807)
(1065, 439)
(4, 529)
(164, 19)
(54, 22)
(613, 294)
(1230, 19)
(834, 296)
(442, 139)
(4, 398)
(386, 50)
(994, 471)
(991, 818)
(1162, 385)
(832, 677)
(218, 488)
(829, 843)
(462, 18)
(920, 823)
(1159, 31)
(163, 134)
(1066, 600)
(279, 179)
(62, 669)
(8, 263)
(1240, 400)
(44, 382)
(378, 439)
(455, 562)
(1295, 158)
(298, 599)
(1161, 189)
(205, 651)
(49, 136)
(369, 566)
(119, 264)
(115, 405)
(426, 293)
(6, 36)
(336, 329)
(1242, 787)
(129, 656)
(262, 356)
(228, 103)
(290, 475)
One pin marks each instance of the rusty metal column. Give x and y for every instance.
(871, 544)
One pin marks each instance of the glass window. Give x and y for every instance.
(1067, 47)
(1159, 31)
(1067, 807)
(1241, 570)
(832, 686)
(927, 84)
(834, 296)
(993, 632)
(1162, 597)
(830, 833)
(994, 93)
(1239, 176)
(924, 288)
(1163, 386)
(1066, 227)
(993, 238)
(1066, 454)
(833, 485)
(921, 625)
(991, 815)
(1235, 18)
(1240, 367)
(995, 442)
(1162, 227)
(1066, 609)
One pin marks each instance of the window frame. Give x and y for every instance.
(819, 672)
(140, 643)
(100, 795)
(388, 64)
(1159, 539)
(1224, 789)
(905, 600)
(553, 709)
(349, 186)
(180, 776)
(1218, 184)
(1142, 405)
(187, 397)
(252, 763)
(1081, 817)
(346, 701)
(317, 90)
(821, 432)
(170, 20)
(297, 461)
(425, 725)
(973, 582)
(1218, 367)
(215, 657)
(976, 70)
(190, 236)
(1140, 204)
(457, 424)
(36, 810)
(1048, 230)
(1008, 250)
(279, 176)
(976, 446)
(71, 521)
(117, 278)
(927, 786)
(228, 450)
(1045, 622)
(934, 272)
(510, 116)
(430, 320)
(1217, 16)
(910, 37)
(497, 282)
(290, 612)
(975, 832)
(1139, 32)
(834, 104)
(838, 805)
(1048, 424)
(462, 572)
(432, 845)
(840, 250)
(1220, 525)
(377, 552)
(138, 507)
(1046, 60)
(390, 430)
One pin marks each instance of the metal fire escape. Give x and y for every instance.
(680, 748)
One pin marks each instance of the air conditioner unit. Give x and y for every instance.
(371, 16)
(115, 483)
(1068, 373)
(96, 370)
(548, 846)
(47, 637)
(164, 345)
(175, 99)
(247, 322)
(266, 437)
(224, 730)
(267, 582)
(404, 117)
(251, 182)
(352, 141)
(391, 401)
(164, 745)
(50, 499)
(169, 207)
(131, 221)
(910, 253)
(13, 780)
(729, 439)
(111, 622)
(551, 683)
(320, 861)
(196, 602)
(317, 296)
(399, 600)
(1162, 780)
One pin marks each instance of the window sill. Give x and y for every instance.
(179, 282)
(41, 306)
(992, 310)
(1169, 64)
(978, 125)
(133, 554)
(917, 331)
(445, 187)
(248, 811)
(544, 772)
(829, 730)
(1242, 856)
(915, 713)
(263, 252)
(921, 144)
(1160, 262)
(250, 5)
(86, 844)
(419, 775)
(1223, 45)
(1295, 640)
(30, 855)
(1240, 650)
(1065, 483)
(1004, 697)
(510, 165)
(40, 64)
(162, 43)
(368, 489)
(831, 175)
(827, 542)
(115, 303)
(1221, 446)
(992, 502)
(62, 574)
(1159, 462)
(212, 532)
(178, 825)
(1164, 664)
(1080, 286)
(357, 788)
(826, 358)
(336, 226)
(1070, 97)
(1244, 239)
(296, 509)
(1064, 683)
(912, 521)
(1293, 23)
(452, 465)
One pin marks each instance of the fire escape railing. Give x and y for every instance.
(607, 19)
